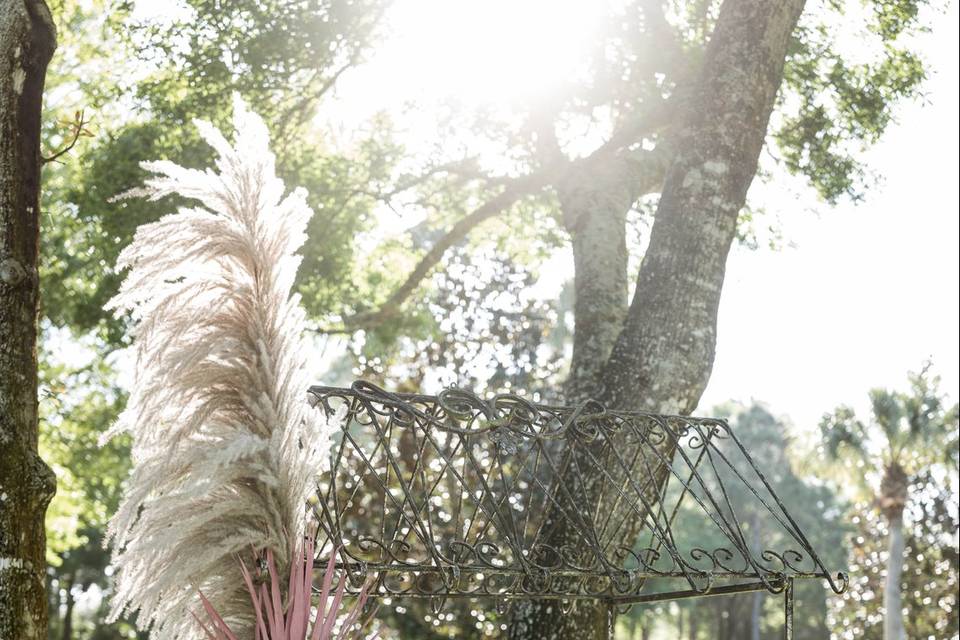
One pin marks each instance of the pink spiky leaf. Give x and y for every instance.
(261, 632)
(219, 623)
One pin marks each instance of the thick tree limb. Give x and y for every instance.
(595, 201)
(636, 171)
(664, 355)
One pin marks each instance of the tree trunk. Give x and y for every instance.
(27, 41)
(68, 611)
(756, 608)
(594, 211)
(694, 622)
(756, 605)
(893, 628)
(662, 357)
(894, 491)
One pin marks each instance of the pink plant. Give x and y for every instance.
(276, 621)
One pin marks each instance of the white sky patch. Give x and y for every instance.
(494, 53)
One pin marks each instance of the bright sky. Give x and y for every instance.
(864, 294)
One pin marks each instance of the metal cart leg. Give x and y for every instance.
(788, 610)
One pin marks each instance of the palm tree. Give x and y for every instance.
(908, 434)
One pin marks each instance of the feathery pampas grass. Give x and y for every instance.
(225, 445)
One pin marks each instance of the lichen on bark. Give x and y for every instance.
(27, 42)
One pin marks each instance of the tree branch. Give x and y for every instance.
(519, 189)
(78, 125)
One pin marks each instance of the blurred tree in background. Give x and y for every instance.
(910, 438)
(756, 616)
(930, 579)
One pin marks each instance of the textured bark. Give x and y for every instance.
(894, 490)
(594, 208)
(662, 358)
(595, 197)
(893, 628)
(27, 41)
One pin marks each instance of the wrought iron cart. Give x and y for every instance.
(454, 496)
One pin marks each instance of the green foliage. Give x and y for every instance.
(835, 102)
(481, 330)
(77, 405)
(931, 568)
(282, 56)
(283, 59)
(79, 399)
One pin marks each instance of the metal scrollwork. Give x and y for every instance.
(455, 495)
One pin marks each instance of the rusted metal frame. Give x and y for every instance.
(716, 515)
(506, 490)
(647, 482)
(478, 503)
(721, 523)
(685, 594)
(788, 610)
(683, 493)
(428, 494)
(588, 533)
(391, 464)
(647, 515)
(535, 434)
(737, 529)
(793, 528)
(530, 494)
(512, 540)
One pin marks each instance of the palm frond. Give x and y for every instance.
(843, 434)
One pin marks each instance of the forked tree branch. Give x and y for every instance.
(516, 191)
(79, 129)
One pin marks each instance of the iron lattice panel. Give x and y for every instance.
(452, 495)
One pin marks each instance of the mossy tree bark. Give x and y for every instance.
(661, 354)
(27, 42)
